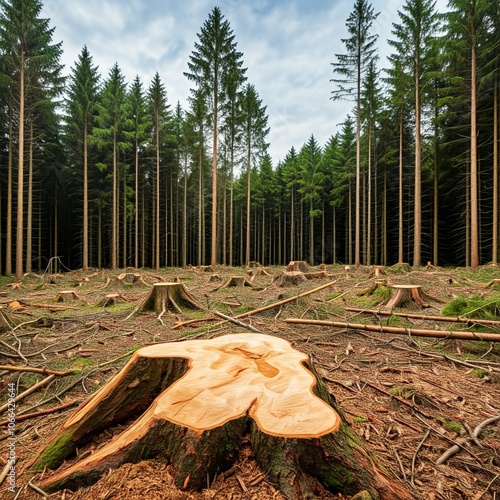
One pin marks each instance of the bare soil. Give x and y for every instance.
(411, 398)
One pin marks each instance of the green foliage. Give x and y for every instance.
(475, 306)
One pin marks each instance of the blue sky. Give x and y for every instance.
(288, 47)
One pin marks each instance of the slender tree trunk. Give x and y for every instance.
(184, 211)
(495, 171)
(157, 196)
(29, 219)
(20, 174)
(85, 263)
(200, 208)
(114, 238)
(247, 253)
(8, 246)
(213, 258)
(136, 214)
(474, 240)
(417, 224)
(369, 201)
(400, 225)
(435, 246)
(357, 208)
(292, 225)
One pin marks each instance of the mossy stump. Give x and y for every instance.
(404, 294)
(195, 402)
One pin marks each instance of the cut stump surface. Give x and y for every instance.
(194, 403)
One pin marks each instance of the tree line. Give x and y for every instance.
(107, 173)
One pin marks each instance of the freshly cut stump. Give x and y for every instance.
(404, 294)
(290, 278)
(165, 296)
(298, 265)
(194, 403)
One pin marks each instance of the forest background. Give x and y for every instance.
(108, 173)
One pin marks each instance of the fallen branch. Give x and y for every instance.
(237, 322)
(43, 371)
(449, 319)
(453, 450)
(27, 416)
(29, 391)
(261, 309)
(489, 337)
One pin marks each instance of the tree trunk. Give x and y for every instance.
(195, 401)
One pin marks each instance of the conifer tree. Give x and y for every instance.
(214, 57)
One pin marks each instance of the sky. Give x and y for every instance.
(288, 47)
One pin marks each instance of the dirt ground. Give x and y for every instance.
(410, 398)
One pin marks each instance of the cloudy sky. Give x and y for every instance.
(288, 47)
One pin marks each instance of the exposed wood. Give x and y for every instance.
(404, 294)
(195, 402)
(214, 277)
(316, 275)
(448, 319)
(298, 265)
(129, 279)
(112, 299)
(440, 334)
(167, 296)
(493, 282)
(289, 278)
(378, 271)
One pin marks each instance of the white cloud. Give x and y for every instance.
(288, 48)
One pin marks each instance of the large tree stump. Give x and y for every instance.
(167, 296)
(290, 278)
(404, 294)
(298, 265)
(194, 403)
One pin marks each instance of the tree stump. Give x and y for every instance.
(167, 296)
(404, 294)
(290, 278)
(65, 295)
(112, 299)
(316, 275)
(195, 402)
(235, 281)
(298, 265)
(376, 285)
(129, 279)
(378, 271)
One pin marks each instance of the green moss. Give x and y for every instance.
(452, 425)
(475, 306)
(56, 452)
(360, 420)
(480, 373)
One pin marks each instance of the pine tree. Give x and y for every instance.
(108, 135)
(419, 25)
(82, 94)
(215, 56)
(31, 68)
(351, 68)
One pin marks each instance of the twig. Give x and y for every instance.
(37, 489)
(29, 391)
(43, 371)
(414, 459)
(480, 495)
(401, 468)
(6, 469)
(27, 416)
(237, 322)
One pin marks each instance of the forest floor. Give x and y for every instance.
(410, 398)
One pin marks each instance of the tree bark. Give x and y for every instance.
(194, 402)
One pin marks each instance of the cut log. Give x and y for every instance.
(112, 299)
(404, 294)
(316, 275)
(298, 265)
(194, 403)
(167, 296)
